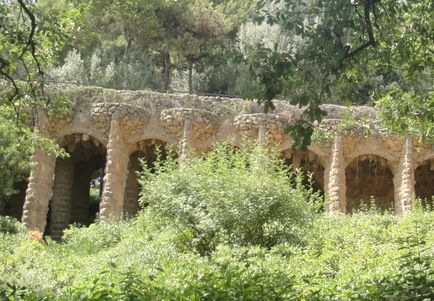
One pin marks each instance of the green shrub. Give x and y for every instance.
(94, 238)
(244, 198)
(10, 225)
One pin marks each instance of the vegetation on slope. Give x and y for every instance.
(267, 244)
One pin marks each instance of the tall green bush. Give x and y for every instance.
(244, 198)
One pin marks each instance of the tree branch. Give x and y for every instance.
(367, 14)
(30, 41)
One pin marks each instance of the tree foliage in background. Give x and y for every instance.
(31, 38)
(14, 152)
(349, 52)
(143, 44)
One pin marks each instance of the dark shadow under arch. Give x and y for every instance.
(424, 182)
(149, 151)
(12, 204)
(77, 184)
(369, 177)
(310, 163)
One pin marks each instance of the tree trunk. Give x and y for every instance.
(165, 58)
(190, 77)
(129, 40)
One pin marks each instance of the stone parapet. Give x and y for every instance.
(267, 128)
(200, 121)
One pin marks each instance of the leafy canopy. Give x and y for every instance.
(350, 52)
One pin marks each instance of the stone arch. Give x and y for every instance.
(145, 150)
(424, 181)
(93, 134)
(77, 183)
(310, 162)
(369, 176)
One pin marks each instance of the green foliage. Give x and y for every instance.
(9, 225)
(241, 199)
(31, 38)
(408, 113)
(366, 256)
(322, 137)
(349, 52)
(17, 142)
(139, 44)
(95, 237)
(14, 152)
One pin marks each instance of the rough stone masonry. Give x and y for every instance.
(108, 131)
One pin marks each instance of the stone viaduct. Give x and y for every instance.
(108, 131)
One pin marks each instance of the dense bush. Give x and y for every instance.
(247, 198)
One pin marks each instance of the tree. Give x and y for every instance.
(345, 45)
(32, 35)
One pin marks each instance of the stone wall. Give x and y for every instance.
(126, 123)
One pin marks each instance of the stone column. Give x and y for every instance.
(60, 216)
(262, 134)
(404, 179)
(131, 204)
(39, 191)
(296, 159)
(116, 172)
(336, 186)
(186, 139)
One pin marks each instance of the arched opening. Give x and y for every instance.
(149, 151)
(77, 184)
(424, 182)
(310, 164)
(369, 178)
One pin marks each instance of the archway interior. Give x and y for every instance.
(369, 178)
(424, 182)
(149, 151)
(310, 164)
(77, 184)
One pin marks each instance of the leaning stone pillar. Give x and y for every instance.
(116, 173)
(404, 179)
(336, 186)
(262, 134)
(186, 139)
(39, 191)
(296, 159)
(60, 216)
